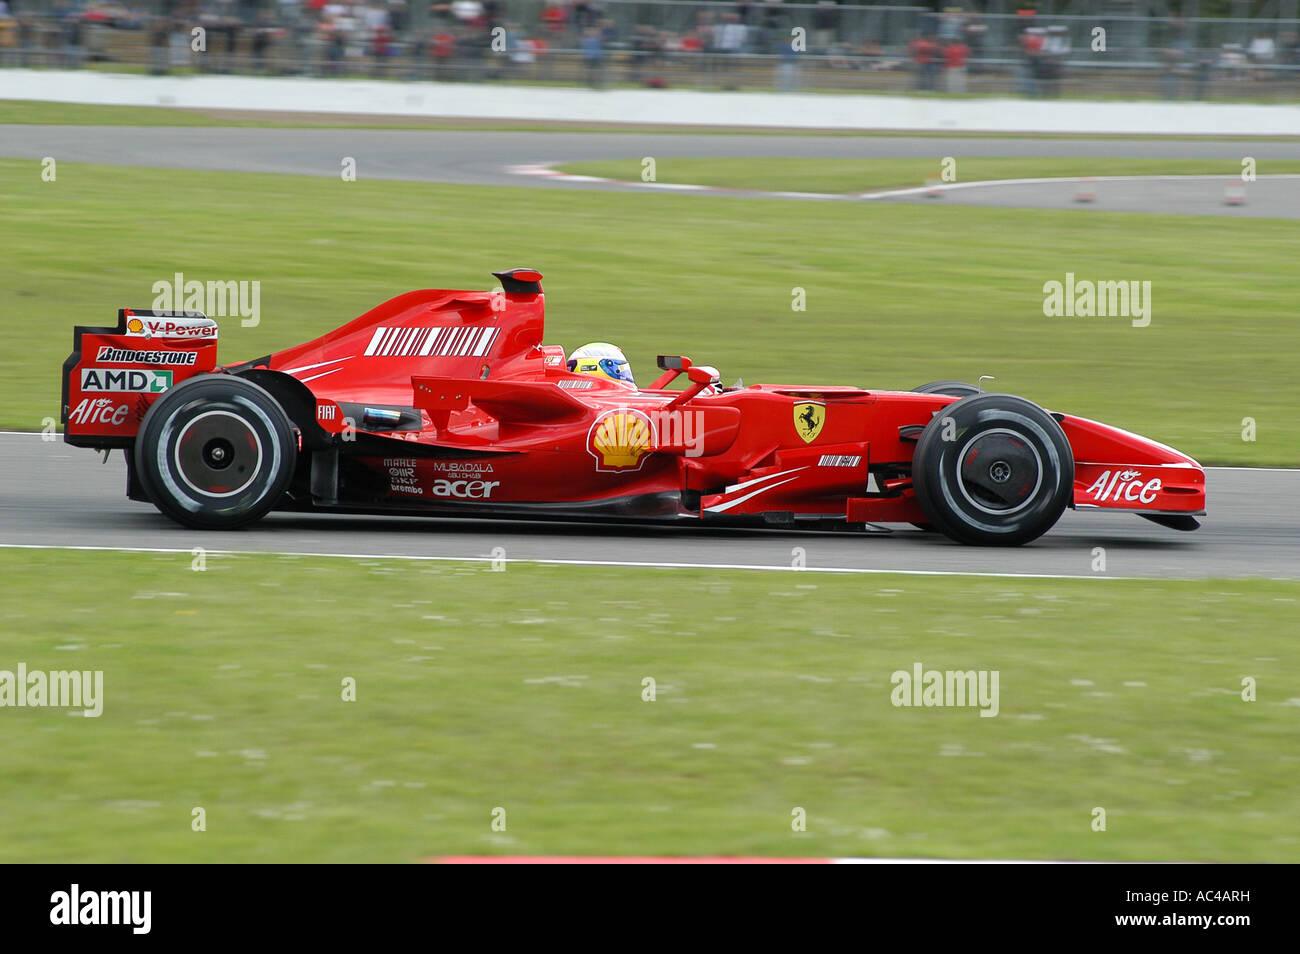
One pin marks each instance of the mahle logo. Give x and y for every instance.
(122, 379)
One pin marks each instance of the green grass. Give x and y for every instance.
(523, 690)
(895, 294)
(30, 112)
(865, 175)
(33, 112)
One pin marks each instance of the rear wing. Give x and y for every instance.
(114, 375)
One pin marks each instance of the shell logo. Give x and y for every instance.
(620, 439)
(135, 326)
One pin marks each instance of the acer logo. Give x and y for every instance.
(464, 489)
(1124, 485)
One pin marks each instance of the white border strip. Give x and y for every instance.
(670, 107)
(543, 561)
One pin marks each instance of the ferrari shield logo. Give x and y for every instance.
(809, 416)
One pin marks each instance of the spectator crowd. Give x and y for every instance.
(725, 45)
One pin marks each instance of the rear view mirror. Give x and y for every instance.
(673, 362)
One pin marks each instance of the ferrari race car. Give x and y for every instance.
(448, 403)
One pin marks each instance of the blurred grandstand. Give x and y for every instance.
(1149, 51)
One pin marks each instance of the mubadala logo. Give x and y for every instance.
(134, 908)
(121, 379)
(470, 468)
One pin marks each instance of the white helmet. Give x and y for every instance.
(602, 360)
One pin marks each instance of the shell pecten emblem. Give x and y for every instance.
(619, 439)
(809, 416)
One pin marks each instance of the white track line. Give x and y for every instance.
(641, 564)
(950, 186)
(545, 170)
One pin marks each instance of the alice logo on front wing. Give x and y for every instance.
(1124, 485)
(620, 439)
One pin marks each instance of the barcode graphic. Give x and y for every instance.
(574, 385)
(839, 460)
(459, 341)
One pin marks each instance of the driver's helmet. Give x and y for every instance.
(602, 360)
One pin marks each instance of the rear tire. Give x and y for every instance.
(993, 470)
(216, 452)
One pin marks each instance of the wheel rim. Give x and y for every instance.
(218, 454)
(999, 472)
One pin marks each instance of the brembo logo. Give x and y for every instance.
(1124, 485)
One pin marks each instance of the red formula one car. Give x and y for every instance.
(448, 403)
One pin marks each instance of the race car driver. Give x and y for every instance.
(602, 360)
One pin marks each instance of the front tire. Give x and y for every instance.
(954, 388)
(993, 470)
(216, 452)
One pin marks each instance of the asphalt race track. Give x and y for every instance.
(55, 495)
(483, 158)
